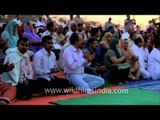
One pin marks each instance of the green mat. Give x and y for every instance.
(135, 96)
(107, 83)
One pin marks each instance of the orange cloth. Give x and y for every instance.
(7, 91)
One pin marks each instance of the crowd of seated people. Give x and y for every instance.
(86, 55)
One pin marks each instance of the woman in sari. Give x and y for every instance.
(116, 63)
(34, 39)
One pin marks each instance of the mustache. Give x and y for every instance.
(24, 50)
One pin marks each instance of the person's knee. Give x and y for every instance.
(13, 88)
(83, 85)
(100, 81)
(148, 75)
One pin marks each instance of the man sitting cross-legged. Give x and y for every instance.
(21, 75)
(74, 63)
(44, 65)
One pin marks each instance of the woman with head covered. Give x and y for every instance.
(116, 63)
(34, 39)
(11, 34)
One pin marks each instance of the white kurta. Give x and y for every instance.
(26, 71)
(145, 53)
(143, 71)
(154, 64)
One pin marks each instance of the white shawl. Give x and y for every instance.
(13, 56)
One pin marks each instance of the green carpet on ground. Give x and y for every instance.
(107, 83)
(135, 96)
